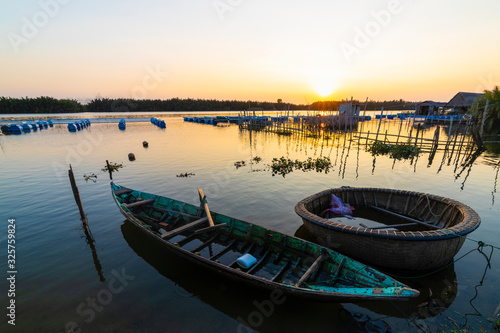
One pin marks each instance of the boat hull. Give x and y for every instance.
(386, 253)
(408, 251)
(339, 295)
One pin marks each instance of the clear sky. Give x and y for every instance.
(299, 51)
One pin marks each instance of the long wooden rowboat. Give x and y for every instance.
(282, 262)
(430, 231)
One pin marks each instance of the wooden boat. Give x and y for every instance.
(423, 231)
(282, 262)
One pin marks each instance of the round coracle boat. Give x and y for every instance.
(392, 229)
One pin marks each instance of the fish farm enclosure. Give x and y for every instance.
(100, 275)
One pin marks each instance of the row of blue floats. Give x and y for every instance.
(26, 127)
(214, 120)
(78, 125)
(390, 116)
(158, 122)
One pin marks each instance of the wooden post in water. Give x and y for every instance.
(76, 194)
(109, 169)
(379, 123)
(364, 112)
(399, 133)
(451, 126)
(416, 136)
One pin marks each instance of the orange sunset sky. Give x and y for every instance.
(299, 51)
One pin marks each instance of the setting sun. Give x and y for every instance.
(324, 80)
(325, 88)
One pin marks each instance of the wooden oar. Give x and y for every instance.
(388, 226)
(203, 201)
(404, 217)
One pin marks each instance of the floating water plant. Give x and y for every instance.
(284, 166)
(185, 175)
(239, 164)
(396, 151)
(112, 167)
(256, 159)
(90, 176)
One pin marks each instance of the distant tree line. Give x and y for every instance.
(178, 104)
(39, 105)
(52, 105)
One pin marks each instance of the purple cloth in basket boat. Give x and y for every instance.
(338, 207)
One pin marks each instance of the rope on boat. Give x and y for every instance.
(480, 247)
(421, 199)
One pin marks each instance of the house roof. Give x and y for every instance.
(463, 99)
(438, 104)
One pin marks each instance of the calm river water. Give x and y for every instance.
(123, 283)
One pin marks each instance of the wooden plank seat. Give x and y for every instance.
(174, 212)
(209, 229)
(311, 270)
(186, 227)
(257, 265)
(122, 191)
(335, 276)
(146, 219)
(139, 203)
(280, 271)
(406, 218)
(248, 250)
(389, 226)
(224, 250)
(202, 246)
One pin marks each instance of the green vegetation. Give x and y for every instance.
(185, 175)
(256, 159)
(492, 121)
(239, 164)
(284, 166)
(113, 167)
(399, 151)
(91, 176)
(53, 105)
(177, 104)
(39, 105)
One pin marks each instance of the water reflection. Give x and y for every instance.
(446, 145)
(437, 292)
(90, 241)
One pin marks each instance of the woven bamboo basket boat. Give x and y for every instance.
(407, 247)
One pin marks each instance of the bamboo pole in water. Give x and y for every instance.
(76, 194)
(399, 133)
(379, 123)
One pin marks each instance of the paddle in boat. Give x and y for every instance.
(252, 254)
